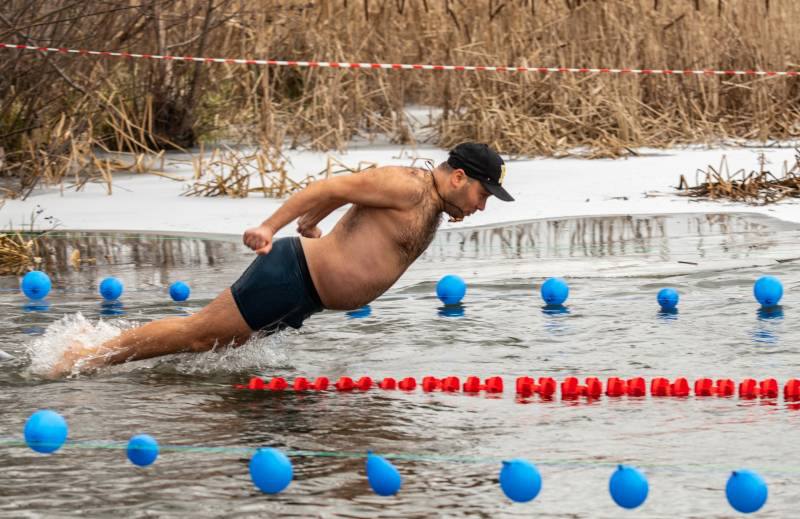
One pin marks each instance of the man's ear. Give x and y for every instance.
(457, 177)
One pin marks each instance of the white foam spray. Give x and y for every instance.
(46, 350)
(258, 352)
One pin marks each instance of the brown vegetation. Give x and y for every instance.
(17, 253)
(760, 187)
(228, 172)
(28, 250)
(55, 110)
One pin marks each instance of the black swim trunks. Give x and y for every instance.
(276, 290)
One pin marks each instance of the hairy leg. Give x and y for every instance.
(218, 322)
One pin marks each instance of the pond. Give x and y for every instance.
(447, 446)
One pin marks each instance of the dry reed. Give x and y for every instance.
(756, 187)
(29, 250)
(17, 254)
(232, 172)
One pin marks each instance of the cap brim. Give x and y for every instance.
(498, 191)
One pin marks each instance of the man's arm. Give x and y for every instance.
(390, 187)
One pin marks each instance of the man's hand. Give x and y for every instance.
(307, 224)
(259, 239)
(309, 232)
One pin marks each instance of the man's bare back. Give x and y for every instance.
(394, 215)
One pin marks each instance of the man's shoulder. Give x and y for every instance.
(400, 169)
(416, 178)
(377, 187)
(404, 173)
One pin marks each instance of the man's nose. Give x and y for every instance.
(482, 205)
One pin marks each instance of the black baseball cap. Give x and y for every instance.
(482, 163)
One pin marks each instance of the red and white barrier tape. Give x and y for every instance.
(403, 66)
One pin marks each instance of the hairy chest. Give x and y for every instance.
(410, 231)
(417, 229)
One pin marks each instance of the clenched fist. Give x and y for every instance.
(259, 239)
(309, 232)
(307, 224)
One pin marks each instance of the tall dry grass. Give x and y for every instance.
(56, 109)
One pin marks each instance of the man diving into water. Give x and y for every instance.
(394, 215)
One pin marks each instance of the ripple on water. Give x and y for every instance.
(612, 327)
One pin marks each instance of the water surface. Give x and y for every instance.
(611, 326)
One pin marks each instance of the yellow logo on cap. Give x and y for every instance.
(502, 173)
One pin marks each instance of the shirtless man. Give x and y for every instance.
(394, 216)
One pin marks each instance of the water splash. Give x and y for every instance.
(45, 351)
(258, 352)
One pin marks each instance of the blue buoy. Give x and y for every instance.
(383, 477)
(520, 480)
(270, 470)
(111, 288)
(36, 285)
(451, 289)
(555, 291)
(179, 291)
(45, 431)
(142, 450)
(360, 313)
(768, 290)
(746, 491)
(628, 487)
(668, 298)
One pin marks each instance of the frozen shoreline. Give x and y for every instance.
(544, 188)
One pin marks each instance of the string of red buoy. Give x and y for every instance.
(546, 387)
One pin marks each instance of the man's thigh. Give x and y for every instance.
(221, 320)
